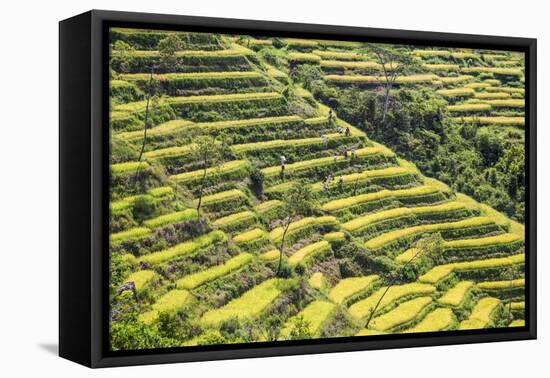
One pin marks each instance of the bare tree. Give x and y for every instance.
(426, 247)
(299, 201)
(167, 48)
(393, 62)
(208, 152)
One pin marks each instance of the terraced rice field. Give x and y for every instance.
(201, 253)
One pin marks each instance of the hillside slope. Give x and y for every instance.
(210, 278)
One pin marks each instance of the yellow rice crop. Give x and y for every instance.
(370, 174)
(441, 271)
(403, 313)
(308, 164)
(364, 221)
(182, 100)
(243, 123)
(165, 128)
(304, 57)
(170, 151)
(455, 295)
(481, 314)
(456, 92)
(221, 196)
(508, 103)
(249, 305)
(317, 280)
(193, 76)
(249, 236)
(391, 236)
(351, 286)
(135, 233)
(364, 307)
(360, 79)
(194, 280)
(234, 218)
(184, 248)
(491, 95)
(308, 251)
(497, 285)
(270, 255)
(277, 233)
(482, 242)
(228, 167)
(351, 64)
(517, 305)
(315, 314)
(385, 193)
(517, 323)
(512, 121)
(278, 143)
(128, 167)
(172, 301)
(438, 320)
(495, 70)
(455, 79)
(268, 205)
(235, 50)
(334, 236)
(469, 107)
(505, 89)
(171, 218)
(441, 67)
(141, 278)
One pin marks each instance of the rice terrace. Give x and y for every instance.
(272, 189)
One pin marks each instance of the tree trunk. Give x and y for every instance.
(387, 289)
(282, 246)
(146, 121)
(200, 193)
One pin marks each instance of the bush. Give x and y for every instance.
(143, 208)
(257, 182)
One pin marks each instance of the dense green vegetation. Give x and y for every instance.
(285, 189)
(467, 153)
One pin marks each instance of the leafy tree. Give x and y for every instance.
(298, 202)
(124, 53)
(300, 329)
(428, 247)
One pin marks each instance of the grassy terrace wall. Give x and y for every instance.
(219, 273)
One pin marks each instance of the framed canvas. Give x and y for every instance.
(234, 188)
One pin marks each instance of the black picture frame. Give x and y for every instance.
(83, 181)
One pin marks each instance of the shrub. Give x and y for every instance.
(143, 207)
(257, 182)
